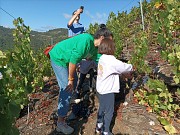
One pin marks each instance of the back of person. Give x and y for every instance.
(70, 49)
(86, 65)
(109, 69)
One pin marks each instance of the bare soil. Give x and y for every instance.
(130, 119)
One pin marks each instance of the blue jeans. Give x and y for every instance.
(106, 110)
(61, 74)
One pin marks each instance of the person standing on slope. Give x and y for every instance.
(74, 26)
(107, 83)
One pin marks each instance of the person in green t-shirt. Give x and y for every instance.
(64, 56)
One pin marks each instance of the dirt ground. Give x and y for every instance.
(129, 119)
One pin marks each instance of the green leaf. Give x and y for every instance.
(171, 114)
(178, 91)
(169, 107)
(170, 100)
(163, 121)
(176, 80)
(14, 109)
(152, 98)
(142, 102)
(163, 107)
(170, 1)
(170, 129)
(3, 101)
(159, 89)
(2, 55)
(162, 94)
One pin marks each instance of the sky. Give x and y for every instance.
(44, 15)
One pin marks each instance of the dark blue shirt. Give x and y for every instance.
(75, 28)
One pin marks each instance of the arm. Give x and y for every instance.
(127, 70)
(72, 69)
(78, 12)
(128, 75)
(122, 67)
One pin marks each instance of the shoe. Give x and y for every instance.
(71, 116)
(64, 128)
(98, 130)
(107, 133)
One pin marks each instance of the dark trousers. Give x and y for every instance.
(106, 110)
(76, 108)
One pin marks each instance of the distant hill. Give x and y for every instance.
(38, 39)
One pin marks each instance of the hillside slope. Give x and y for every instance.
(38, 39)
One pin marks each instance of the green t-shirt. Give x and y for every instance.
(74, 49)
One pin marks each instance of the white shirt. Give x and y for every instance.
(109, 69)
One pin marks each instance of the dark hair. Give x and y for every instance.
(107, 46)
(74, 12)
(103, 31)
(102, 26)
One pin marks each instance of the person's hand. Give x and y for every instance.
(128, 75)
(70, 86)
(79, 11)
